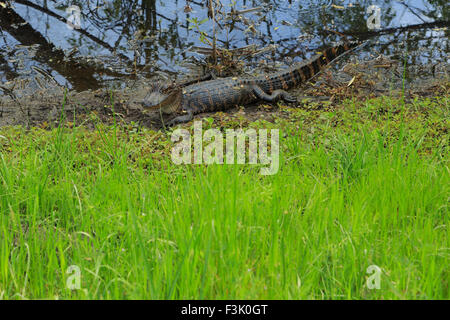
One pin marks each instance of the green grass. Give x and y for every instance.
(363, 184)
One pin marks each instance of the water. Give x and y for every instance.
(121, 40)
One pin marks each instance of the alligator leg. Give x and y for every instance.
(181, 119)
(274, 97)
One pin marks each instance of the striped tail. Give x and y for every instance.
(300, 74)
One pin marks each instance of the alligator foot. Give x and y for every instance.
(274, 97)
(181, 119)
(287, 97)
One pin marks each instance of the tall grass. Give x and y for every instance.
(138, 226)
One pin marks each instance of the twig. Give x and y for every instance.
(238, 12)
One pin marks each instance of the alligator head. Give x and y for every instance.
(158, 99)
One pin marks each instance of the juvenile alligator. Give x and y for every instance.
(225, 93)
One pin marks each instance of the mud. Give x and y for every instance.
(47, 107)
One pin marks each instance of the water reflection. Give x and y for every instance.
(127, 39)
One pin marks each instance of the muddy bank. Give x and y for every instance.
(47, 109)
(349, 80)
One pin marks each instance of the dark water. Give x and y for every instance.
(120, 40)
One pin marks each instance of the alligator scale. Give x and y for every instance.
(225, 93)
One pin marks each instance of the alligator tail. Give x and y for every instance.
(318, 63)
(302, 73)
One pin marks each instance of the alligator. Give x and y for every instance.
(224, 93)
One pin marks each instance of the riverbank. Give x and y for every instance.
(361, 183)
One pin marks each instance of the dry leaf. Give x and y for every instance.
(351, 81)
